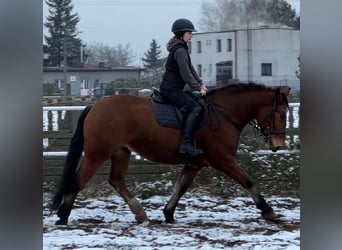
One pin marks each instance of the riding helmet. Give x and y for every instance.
(182, 24)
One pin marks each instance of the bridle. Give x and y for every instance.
(268, 130)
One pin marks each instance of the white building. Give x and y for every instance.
(261, 55)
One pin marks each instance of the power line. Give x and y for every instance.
(135, 3)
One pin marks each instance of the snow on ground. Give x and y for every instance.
(202, 222)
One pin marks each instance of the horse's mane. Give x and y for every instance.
(239, 87)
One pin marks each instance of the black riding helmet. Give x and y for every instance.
(182, 24)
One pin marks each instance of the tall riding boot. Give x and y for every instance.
(187, 145)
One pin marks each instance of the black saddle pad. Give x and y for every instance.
(168, 116)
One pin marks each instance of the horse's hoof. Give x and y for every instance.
(141, 218)
(168, 216)
(61, 222)
(170, 221)
(269, 216)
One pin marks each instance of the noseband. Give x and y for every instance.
(268, 131)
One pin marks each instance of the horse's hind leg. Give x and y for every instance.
(183, 182)
(65, 209)
(86, 170)
(238, 174)
(117, 179)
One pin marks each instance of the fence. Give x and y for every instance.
(59, 123)
(54, 121)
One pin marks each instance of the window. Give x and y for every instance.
(224, 72)
(199, 70)
(72, 78)
(218, 45)
(190, 47)
(97, 84)
(84, 84)
(266, 69)
(229, 44)
(199, 47)
(59, 83)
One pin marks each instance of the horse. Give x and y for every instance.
(115, 126)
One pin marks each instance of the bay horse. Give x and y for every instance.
(115, 126)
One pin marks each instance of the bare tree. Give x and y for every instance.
(234, 14)
(207, 22)
(119, 55)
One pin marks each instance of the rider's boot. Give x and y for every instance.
(187, 145)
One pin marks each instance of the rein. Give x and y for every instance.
(214, 107)
(268, 131)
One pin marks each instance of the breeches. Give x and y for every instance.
(183, 101)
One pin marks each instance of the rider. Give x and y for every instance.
(179, 72)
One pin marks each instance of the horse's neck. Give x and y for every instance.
(242, 105)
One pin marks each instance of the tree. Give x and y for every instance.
(280, 11)
(233, 14)
(296, 23)
(131, 86)
(50, 89)
(298, 71)
(152, 60)
(112, 56)
(63, 34)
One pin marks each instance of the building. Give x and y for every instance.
(82, 81)
(261, 55)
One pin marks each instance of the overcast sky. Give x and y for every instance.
(136, 22)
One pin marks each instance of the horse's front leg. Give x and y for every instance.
(266, 210)
(234, 170)
(117, 180)
(183, 182)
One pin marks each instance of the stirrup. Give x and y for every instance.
(196, 152)
(190, 150)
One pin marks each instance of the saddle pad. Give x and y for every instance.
(166, 115)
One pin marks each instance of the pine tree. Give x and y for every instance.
(63, 34)
(152, 60)
(298, 71)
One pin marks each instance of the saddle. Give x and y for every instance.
(170, 116)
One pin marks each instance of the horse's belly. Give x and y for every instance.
(159, 154)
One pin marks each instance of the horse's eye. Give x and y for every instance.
(283, 116)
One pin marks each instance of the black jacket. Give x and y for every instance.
(179, 70)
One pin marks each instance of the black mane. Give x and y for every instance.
(240, 86)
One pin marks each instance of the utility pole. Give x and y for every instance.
(64, 71)
(81, 48)
(249, 52)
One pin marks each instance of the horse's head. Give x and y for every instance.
(266, 107)
(272, 118)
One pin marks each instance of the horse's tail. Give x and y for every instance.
(69, 181)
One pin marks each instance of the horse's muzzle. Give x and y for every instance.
(275, 149)
(276, 144)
